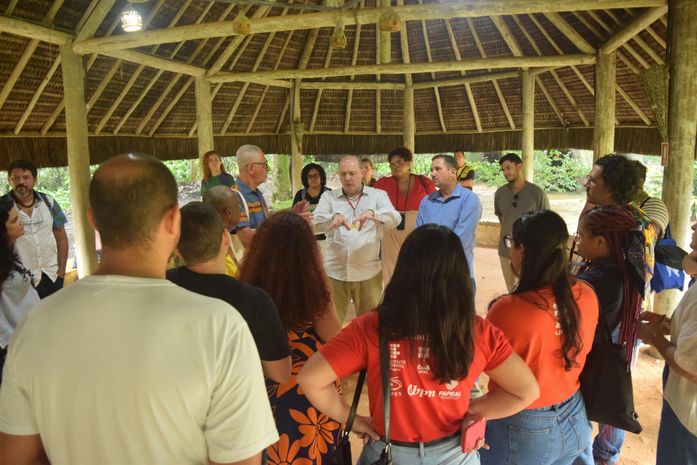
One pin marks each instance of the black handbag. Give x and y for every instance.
(386, 455)
(606, 384)
(342, 452)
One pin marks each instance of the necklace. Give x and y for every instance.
(31, 205)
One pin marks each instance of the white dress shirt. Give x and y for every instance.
(354, 255)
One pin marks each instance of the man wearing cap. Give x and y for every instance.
(510, 202)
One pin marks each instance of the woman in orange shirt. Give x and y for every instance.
(550, 320)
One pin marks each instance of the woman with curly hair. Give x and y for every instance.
(285, 261)
(550, 319)
(17, 296)
(214, 173)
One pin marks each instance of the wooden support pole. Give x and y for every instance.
(604, 132)
(682, 122)
(527, 140)
(385, 39)
(296, 140)
(359, 16)
(204, 115)
(78, 157)
(409, 119)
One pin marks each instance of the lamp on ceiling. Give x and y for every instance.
(131, 21)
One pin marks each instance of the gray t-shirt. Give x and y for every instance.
(509, 207)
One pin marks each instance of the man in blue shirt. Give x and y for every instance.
(253, 172)
(451, 205)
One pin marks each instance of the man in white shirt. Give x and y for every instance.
(124, 367)
(353, 219)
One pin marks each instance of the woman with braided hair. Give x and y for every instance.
(606, 236)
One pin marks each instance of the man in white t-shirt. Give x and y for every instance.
(124, 367)
(677, 435)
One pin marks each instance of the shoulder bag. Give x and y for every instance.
(386, 455)
(342, 453)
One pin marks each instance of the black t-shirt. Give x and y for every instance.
(253, 303)
(606, 280)
(312, 200)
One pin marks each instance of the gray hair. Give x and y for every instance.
(247, 154)
(220, 198)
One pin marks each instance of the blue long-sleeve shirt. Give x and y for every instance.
(460, 212)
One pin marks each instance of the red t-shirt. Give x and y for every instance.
(529, 322)
(421, 186)
(422, 409)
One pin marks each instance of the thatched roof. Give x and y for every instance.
(137, 107)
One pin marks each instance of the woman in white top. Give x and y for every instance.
(17, 296)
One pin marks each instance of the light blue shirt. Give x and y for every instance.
(460, 212)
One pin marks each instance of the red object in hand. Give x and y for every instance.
(472, 434)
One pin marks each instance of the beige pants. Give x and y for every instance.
(392, 241)
(366, 294)
(508, 275)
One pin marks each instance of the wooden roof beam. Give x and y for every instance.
(318, 97)
(94, 20)
(406, 68)
(467, 80)
(627, 46)
(354, 85)
(33, 31)
(639, 23)
(436, 92)
(637, 38)
(572, 34)
(354, 59)
(468, 88)
(360, 16)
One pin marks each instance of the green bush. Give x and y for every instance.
(559, 174)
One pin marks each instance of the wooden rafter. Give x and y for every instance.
(94, 20)
(436, 91)
(468, 88)
(494, 82)
(513, 45)
(234, 43)
(378, 96)
(627, 62)
(628, 47)
(354, 58)
(639, 23)
(360, 16)
(318, 97)
(33, 31)
(266, 89)
(554, 74)
(37, 95)
(637, 38)
(572, 34)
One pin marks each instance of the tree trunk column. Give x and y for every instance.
(204, 116)
(604, 134)
(296, 140)
(78, 157)
(682, 128)
(409, 119)
(528, 136)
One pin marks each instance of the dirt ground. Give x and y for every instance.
(638, 449)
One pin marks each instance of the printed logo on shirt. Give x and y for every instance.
(452, 384)
(423, 369)
(395, 387)
(423, 352)
(557, 327)
(397, 365)
(416, 391)
(394, 350)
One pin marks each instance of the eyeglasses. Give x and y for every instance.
(266, 164)
(397, 164)
(313, 176)
(508, 241)
(515, 200)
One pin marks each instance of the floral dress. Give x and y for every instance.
(307, 436)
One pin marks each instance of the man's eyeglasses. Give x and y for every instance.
(508, 241)
(515, 200)
(266, 164)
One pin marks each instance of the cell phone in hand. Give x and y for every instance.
(473, 433)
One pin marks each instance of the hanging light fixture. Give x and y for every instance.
(338, 39)
(131, 21)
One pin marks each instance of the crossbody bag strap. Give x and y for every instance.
(384, 374)
(354, 404)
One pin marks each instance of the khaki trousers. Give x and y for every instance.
(392, 241)
(366, 294)
(508, 275)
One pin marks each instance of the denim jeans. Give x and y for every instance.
(553, 435)
(676, 444)
(446, 453)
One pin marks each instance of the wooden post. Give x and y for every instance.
(296, 139)
(78, 157)
(604, 133)
(204, 116)
(682, 125)
(409, 119)
(385, 39)
(527, 139)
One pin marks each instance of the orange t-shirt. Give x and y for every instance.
(421, 408)
(529, 322)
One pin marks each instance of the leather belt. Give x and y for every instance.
(425, 444)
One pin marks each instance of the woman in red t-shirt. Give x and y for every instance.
(550, 320)
(405, 190)
(437, 348)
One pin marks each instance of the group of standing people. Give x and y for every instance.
(127, 367)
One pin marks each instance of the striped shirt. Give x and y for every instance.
(655, 209)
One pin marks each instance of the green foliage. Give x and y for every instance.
(488, 172)
(283, 205)
(181, 169)
(558, 172)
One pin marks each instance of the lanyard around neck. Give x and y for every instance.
(353, 207)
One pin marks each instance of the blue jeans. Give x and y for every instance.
(553, 435)
(676, 444)
(446, 453)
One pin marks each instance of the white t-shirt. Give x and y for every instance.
(121, 370)
(680, 393)
(17, 299)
